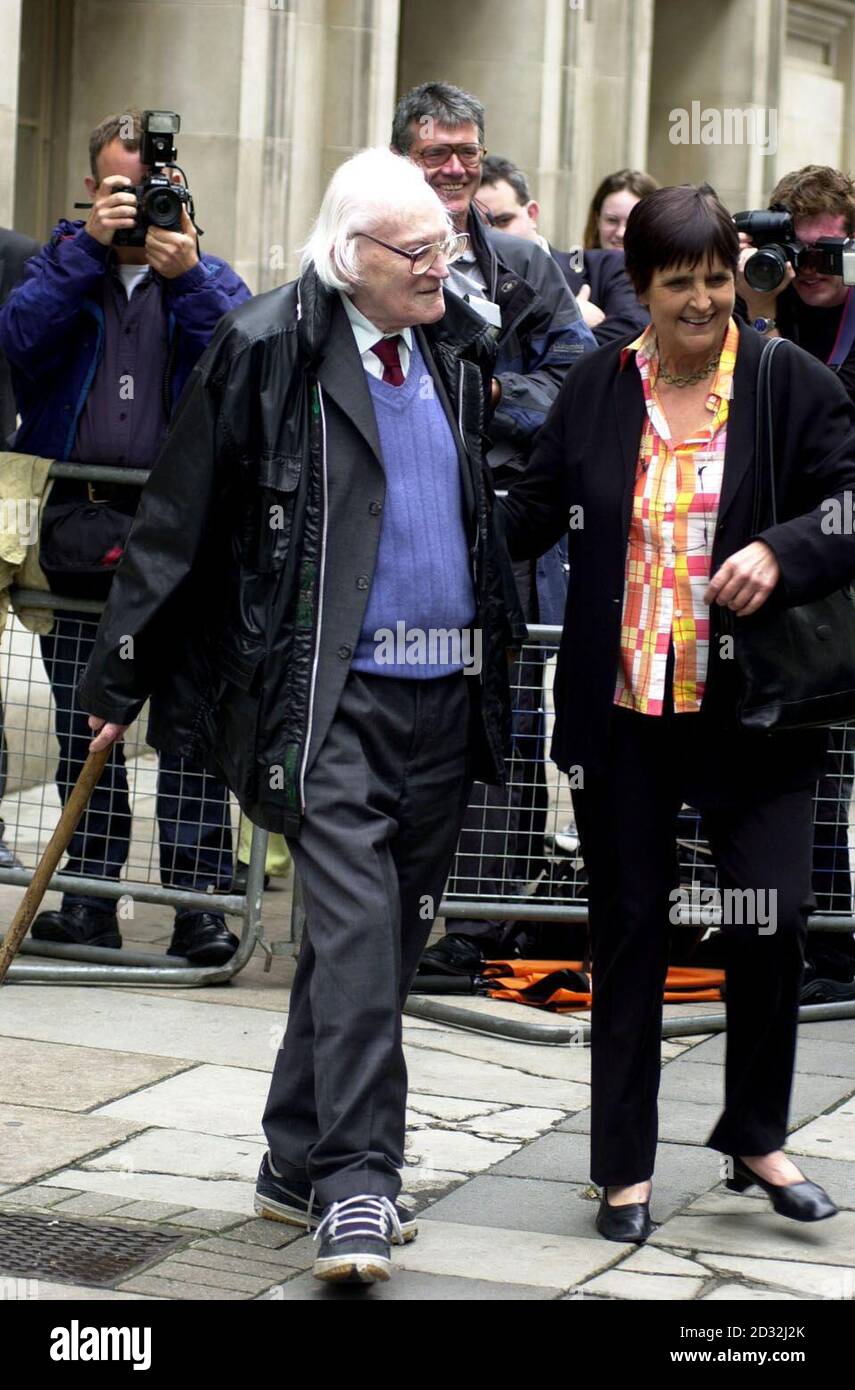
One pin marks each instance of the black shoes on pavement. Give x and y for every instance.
(454, 954)
(354, 1240)
(201, 937)
(628, 1223)
(801, 1201)
(78, 925)
(292, 1201)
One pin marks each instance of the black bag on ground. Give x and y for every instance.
(796, 665)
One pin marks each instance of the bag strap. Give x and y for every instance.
(764, 436)
(845, 335)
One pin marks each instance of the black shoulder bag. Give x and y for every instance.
(797, 665)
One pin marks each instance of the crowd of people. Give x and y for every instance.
(392, 444)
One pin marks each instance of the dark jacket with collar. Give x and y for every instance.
(611, 291)
(587, 456)
(52, 331)
(542, 336)
(15, 251)
(243, 585)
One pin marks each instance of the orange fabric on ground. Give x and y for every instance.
(520, 980)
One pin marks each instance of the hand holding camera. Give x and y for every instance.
(157, 212)
(760, 303)
(172, 253)
(114, 208)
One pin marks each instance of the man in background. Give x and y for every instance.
(101, 339)
(540, 332)
(598, 279)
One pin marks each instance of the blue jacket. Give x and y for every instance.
(52, 332)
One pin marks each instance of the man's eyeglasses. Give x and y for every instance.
(434, 156)
(423, 257)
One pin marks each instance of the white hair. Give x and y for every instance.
(372, 187)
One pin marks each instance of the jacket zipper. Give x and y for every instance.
(463, 441)
(317, 651)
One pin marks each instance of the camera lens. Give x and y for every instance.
(163, 208)
(765, 270)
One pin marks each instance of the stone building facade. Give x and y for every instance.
(273, 94)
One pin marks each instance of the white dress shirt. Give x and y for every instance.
(366, 335)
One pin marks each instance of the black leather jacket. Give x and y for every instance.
(219, 610)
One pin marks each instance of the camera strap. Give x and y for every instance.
(845, 339)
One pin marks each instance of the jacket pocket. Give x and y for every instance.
(237, 659)
(267, 533)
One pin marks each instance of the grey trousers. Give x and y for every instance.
(384, 802)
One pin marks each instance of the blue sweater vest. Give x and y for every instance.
(421, 600)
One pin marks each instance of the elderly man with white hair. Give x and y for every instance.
(314, 600)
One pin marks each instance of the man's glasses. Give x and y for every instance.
(423, 257)
(434, 156)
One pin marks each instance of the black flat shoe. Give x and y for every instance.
(628, 1223)
(801, 1201)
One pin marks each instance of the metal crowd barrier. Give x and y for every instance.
(518, 860)
(30, 813)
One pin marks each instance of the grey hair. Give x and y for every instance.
(434, 101)
(370, 188)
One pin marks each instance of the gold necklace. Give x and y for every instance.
(693, 377)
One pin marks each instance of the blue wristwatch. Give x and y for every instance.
(763, 325)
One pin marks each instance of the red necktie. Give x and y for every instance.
(387, 351)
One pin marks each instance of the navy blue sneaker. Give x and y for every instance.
(293, 1201)
(355, 1238)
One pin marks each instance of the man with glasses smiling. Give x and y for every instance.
(540, 333)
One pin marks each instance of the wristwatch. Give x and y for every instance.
(763, 325)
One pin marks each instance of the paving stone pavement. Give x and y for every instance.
(141, 1109)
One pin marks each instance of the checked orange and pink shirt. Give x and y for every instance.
(674, 515)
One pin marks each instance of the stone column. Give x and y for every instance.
(317, 84)
(724, 60)
(10, 29)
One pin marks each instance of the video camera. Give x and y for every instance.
(773, 233)
(159, 200)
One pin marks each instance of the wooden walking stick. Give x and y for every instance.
(56, 847)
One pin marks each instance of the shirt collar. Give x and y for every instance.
(365, 332)
(645, 347)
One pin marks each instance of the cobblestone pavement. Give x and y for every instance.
(140, 1110)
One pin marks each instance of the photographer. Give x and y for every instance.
(814, 310)
(102, 333)
(817, 311)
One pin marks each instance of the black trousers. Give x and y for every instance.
(383, 805)
(194, 818)
(626, 819)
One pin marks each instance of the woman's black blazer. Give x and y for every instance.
(586, 457)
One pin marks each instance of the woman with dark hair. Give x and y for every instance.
(611, 205)
(654, 440)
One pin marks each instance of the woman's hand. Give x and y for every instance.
(109, 733)
(745, 581)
